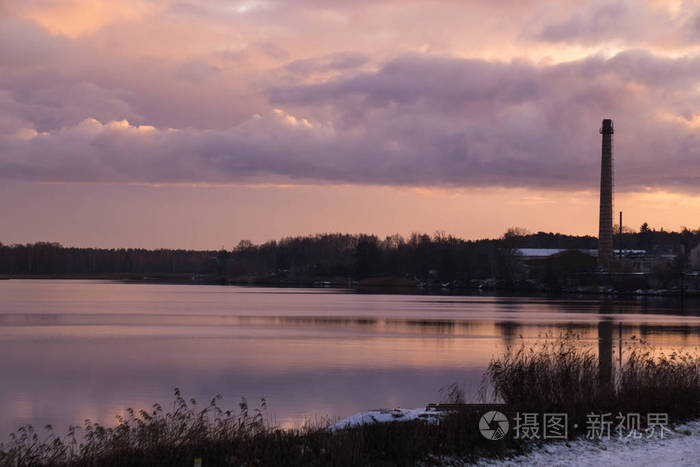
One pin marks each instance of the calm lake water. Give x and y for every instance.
(71, 350)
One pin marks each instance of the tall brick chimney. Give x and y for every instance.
(605, 241)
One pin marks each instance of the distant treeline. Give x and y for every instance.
(643, 239)
(52, 258)
(420, 256)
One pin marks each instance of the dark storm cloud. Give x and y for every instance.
(417, 120)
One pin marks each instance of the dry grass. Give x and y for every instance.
(178, 436)
(562, 377)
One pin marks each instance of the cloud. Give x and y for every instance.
(417, 120)
(196, 71)
(123, 152)
(254, 95)
(53, 82)
(475, 122)
(74, 18)
(621, 23)
(332, 62)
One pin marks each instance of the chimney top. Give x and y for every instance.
(607, 127)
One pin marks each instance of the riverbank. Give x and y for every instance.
(680, 445)
(551, 378)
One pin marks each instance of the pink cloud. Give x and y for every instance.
(357, 103)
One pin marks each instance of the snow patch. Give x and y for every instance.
(388, 415)
(680, 447)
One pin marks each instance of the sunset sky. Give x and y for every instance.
(195, 124)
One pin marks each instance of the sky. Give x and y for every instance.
(196, 124)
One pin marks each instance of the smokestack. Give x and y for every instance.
(605, 242)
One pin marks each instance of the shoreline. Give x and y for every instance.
(387, 285)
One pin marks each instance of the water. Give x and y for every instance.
(71, 350)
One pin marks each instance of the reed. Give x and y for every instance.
(560, 376)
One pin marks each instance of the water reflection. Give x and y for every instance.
(70, 350)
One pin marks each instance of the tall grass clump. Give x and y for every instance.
(155, 437)
(562, 376)
(652, 381)
(552, 376)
